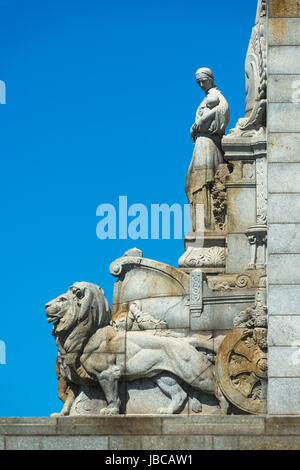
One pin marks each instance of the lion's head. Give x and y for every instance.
(83, 304)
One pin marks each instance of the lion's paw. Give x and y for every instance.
(109, 411)
(165, 411)
(62, 413)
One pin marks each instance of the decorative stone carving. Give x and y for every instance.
(196, 297)
(144, 320)
(242, 369)
(261, 190)
(219, 195)
(255, 316)
(92, 351)
(162, 290)
(211, 120)
(230, 283)
(256, 79)
(247, 280)
(257, 237)
(241, 362)
(214, 256)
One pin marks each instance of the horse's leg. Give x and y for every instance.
(108, 381)
(171, 387)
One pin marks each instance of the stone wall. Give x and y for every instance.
(284, 206)
(150, 433)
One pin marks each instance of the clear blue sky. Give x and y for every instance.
(100, 99)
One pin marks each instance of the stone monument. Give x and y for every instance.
(215, 340)
(191, 339)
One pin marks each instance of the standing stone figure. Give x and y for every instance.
(211, 120)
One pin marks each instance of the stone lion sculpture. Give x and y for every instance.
(92, 350)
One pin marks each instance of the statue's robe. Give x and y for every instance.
(207, 156)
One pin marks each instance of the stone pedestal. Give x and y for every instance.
(205, 250)
(150, 433)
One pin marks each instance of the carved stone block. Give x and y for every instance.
(212, 258)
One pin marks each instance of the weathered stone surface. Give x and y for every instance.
(90, 400)
(177, 443)
(171, 309)
(238, 253)
(161, 290)
(284, 396)
(170, 432)
(74, 443)
(282, 425)
(27, 426)
(214, 425)
(284, 361)
(284, 330)
(241, 208)
(283, 147)
(284, 8)
(144, 397)
(287, 172)
(269, 443)
(23, 443)
(284, 60)
(284, 269)
(125, 443)
(284, 238)
(219, 316)
(284, 300)
(109, 425)
(226, 443)
(291, 113)
(283, 89)
(284, 31)
(284, 208)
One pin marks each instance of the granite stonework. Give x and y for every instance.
(283, 273)
(199, 356)
(151, 433)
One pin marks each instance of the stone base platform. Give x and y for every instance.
(151, 433)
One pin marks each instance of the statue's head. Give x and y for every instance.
(84, 303)
(212, 101)
(205, 78)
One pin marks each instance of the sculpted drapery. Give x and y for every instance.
(211, 120)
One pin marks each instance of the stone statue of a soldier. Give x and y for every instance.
(211, 120)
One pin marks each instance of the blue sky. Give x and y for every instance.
(100, 99)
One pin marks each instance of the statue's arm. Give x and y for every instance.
(203, 122)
